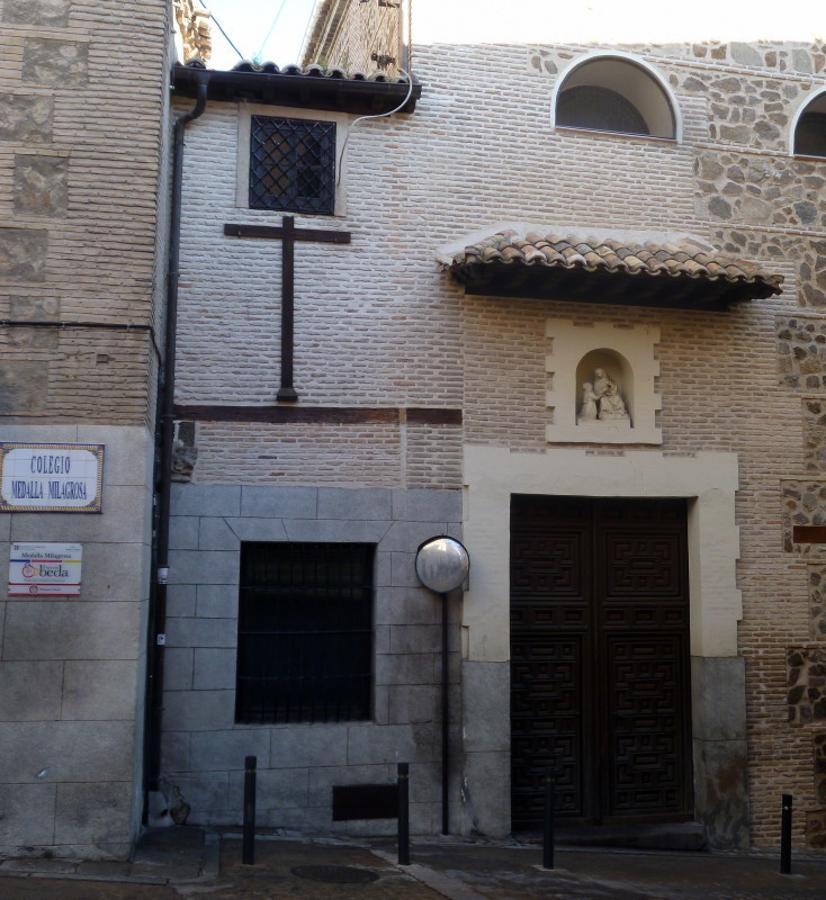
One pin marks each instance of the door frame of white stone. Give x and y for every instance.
(492, 475)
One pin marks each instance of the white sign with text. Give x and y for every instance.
(45, 570)
(51, 477)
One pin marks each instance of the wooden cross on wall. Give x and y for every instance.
(288, 234)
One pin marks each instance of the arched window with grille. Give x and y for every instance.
(617, 94)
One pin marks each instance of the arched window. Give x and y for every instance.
(618, 94)
(810, 128)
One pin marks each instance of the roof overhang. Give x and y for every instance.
(312, 88)
(621, 267)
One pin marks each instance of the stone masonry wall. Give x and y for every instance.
(83, 85)
(203, 747)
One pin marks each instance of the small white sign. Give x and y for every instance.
(45, 570)
(51, 477)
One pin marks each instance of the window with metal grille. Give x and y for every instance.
(292, 165)
(305, 633)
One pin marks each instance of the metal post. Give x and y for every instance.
(786, 835)
(445, 720)
(548, 824)
(248, 855)
(404, 814)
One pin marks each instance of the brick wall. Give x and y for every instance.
(81, 96)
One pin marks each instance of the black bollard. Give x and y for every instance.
(404, 814)
(786, 835)
(248, 854)
(548, 829)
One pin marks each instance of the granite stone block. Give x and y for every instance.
(27, 814)
(225, 750)
(177, 668)
(206, 500)
(30, 691)
(175, 751)
(41, 186)
(24, 386)
(384, 744)
(408, 668)
(275, 789)
(718, 698)
(487, 791)
(201, 632)
(403, 570)
(180, 600)
(203, 567)
(24, 119)
(255, 529)
(198, 710)
(55, 63)
(308, 745)
(94, 813)
(183, 533)
(413, 704)
(99, 689)
(415, 638)
(217, 601)
(409, 536)
(407, 606)
(336, 530)
(422, 505)
(215, 533)
(355, 504)
(214, 669)
(269, 502)
(68, 751)
(486, 699)
(71, 630)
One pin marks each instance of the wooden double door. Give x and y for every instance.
(600, 679)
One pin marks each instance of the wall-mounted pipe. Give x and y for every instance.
(163, 479)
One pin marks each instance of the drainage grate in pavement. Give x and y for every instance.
(335, 874)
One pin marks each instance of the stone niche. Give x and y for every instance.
(601, 379)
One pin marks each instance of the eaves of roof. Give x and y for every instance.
(643, 270)
(308, 88)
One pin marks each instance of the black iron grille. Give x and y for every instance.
(292, 165)
(305, 633)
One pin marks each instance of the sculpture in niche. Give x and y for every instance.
(602, 401)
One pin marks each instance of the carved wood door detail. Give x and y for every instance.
(600, 659)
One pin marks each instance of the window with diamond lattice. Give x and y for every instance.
(305, 633)
(292, 165)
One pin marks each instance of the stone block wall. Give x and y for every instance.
(83, 87)
(203, 747)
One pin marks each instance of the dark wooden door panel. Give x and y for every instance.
(599, 650)
(646, 727)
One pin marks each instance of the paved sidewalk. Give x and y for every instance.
(187, 863)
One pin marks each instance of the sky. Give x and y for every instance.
(267, 30)
(274, 29)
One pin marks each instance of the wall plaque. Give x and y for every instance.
(45, 570)
(51, 477)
